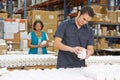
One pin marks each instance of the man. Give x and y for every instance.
(73, 36)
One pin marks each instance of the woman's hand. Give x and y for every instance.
(42, 45)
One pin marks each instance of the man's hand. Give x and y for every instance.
(76, 50)
(89, 52)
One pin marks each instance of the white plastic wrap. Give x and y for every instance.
(103, 60)
(92, 72)
(27, 60)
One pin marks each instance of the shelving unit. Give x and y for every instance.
(73, 15)
(54, 5)
(108, 5)
(50, 5)
(105, 41)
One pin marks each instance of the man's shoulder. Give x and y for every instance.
(67, 20)
(87, 26)
(66, 23)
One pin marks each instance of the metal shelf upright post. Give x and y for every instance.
(115, 4)
(109, 5)
(25, 9)
(11, 10)
(65, 10)
(18, 4)
(48, 8)
(89, 2)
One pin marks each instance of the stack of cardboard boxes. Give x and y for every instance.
(49, 19)
(102, 13)
(3, 15)
(3, 47)
(22, 28)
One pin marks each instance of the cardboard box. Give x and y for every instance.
(16, 46)
(50, 30)
(104, 1)
(16, 38)
(17, 16)
(103, 10)
(3, 49)
(112, 8)
(96, 8)
(98, 47)
(51, 17)
(50, 48)
(38, 15)
(47, 17)
(23, 25)
(99, 17)
(104, 31)
(118, 16)
(111, 32)
(110, 15)
(102, 41)
(3, 15)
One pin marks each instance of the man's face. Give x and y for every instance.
(83, 19)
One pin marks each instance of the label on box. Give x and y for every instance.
(118, 19)
(50, 31)
(51, 17)
(38, 17)
(50, 43)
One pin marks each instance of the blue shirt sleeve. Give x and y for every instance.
(91, 38)
(60, 30)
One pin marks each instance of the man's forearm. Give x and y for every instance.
(62, 46)
(91, 50)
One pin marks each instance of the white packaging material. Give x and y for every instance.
(3, 71)
(82, 54)
(24, 45)
(43, 42)
(94, 72)
(117, 76)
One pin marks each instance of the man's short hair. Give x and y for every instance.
(87, 10)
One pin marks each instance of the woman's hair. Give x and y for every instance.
(87, 10)
(38, 21)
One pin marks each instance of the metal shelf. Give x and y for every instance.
(54, 5)
(106, 36)
(44, 4)
(21, 11)
(73, 14)
(104, 23)
(57, 3)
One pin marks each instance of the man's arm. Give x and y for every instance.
(58, 44)
(90, 50)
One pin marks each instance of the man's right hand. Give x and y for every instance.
(76, 50)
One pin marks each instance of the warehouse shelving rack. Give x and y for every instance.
(51, 5)
(54, 4)
(97, 36)
(11, 6)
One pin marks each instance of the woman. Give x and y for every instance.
(36, 38)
